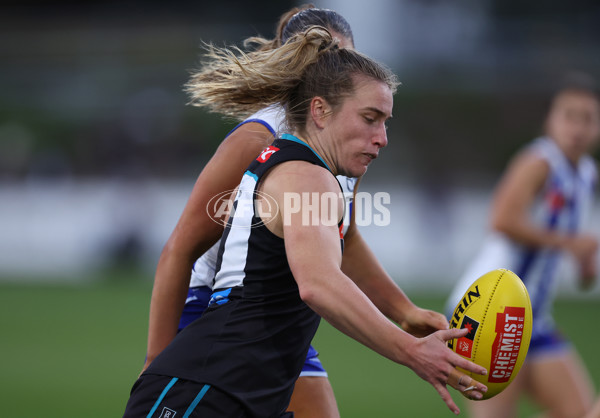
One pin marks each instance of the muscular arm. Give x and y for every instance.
(314, 255)
(195, 232)
(362, 266)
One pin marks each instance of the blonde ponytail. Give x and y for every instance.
(309, 64)
(237, 84)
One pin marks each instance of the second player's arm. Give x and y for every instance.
(196, 232)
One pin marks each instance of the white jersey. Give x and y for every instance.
(562, 206)
(273, 118)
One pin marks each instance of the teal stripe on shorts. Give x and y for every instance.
(196, 401)
(162, 395)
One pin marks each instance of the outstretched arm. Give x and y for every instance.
(196, 232)
(314, 255)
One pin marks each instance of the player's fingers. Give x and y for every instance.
(439, 321)
(466, 384)
(447, 398)
(473, 393)
(469, 366)
(454, 378)
(450, 334)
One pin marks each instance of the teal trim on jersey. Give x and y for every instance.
(251, 174)
(292, 138)
(196, 401)
(220, 297)
(162, 395)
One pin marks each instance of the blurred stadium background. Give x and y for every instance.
(98, 153)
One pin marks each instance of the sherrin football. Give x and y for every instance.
(497, 312)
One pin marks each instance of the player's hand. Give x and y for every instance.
(582, 247)
(435, 363)
(422, 322)
(146, 364)
(464, 383)
(588, 272)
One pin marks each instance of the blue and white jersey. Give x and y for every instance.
(273, 118)
(562, 205)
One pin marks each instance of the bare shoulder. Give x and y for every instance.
(528, 167)
(530, 161)
(248, 139)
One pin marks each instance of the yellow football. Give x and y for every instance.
(497, 312)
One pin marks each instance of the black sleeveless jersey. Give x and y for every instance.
(252, 340)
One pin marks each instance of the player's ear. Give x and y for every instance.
(319, 111)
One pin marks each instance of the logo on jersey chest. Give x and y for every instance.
(266, 154)
(556, 200)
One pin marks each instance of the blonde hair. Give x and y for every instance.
(237, 84)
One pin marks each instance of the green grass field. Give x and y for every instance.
(74, 351)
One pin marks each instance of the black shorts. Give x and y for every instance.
(154, 396)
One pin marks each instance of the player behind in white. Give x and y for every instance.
(538, 214)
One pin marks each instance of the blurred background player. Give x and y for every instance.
(538, 213)
(196, 232)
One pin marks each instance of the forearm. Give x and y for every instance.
(341, 303)
(361, 265)
(525, 233)
(169, 293)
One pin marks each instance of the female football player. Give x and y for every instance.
(196, 234)
(276, 277)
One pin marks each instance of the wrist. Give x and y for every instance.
(559, 241)
(404, 346)
(401, 309)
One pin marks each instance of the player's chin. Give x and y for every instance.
(358, 171)
(361, 167)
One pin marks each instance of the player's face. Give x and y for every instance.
(358, 126)
(574, 122)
